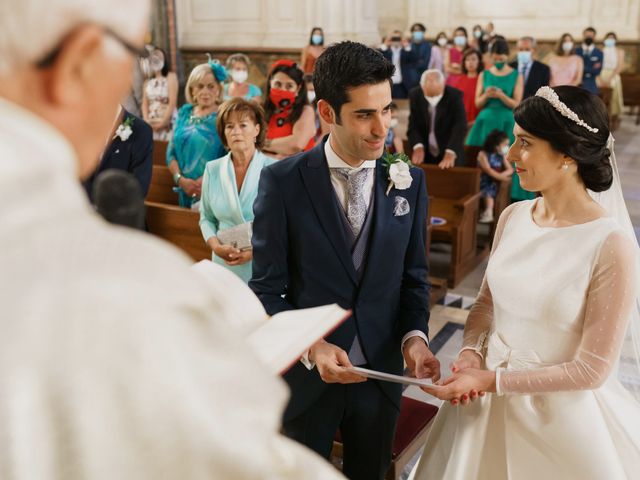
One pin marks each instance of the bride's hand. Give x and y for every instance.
(461, 386)
(466, 359)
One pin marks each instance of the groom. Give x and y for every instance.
(326, 231)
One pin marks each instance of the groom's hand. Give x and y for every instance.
(332, 363)
(420, 360)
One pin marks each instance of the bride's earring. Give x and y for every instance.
(565, 167)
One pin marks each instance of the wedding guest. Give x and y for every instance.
(566, 67)
(398, 51)
(437, 122)
(492, 160)
(612, 66)
(592, 58)
(477, 41)
(195, 138)
(468, 82)
(118, 362)
(534, 73)
(312, 50)
(393, 142)
(160, 96)
(421, 50)
(439, 51)
(238, 69)
(290, 119)
(322, 128)
(453, 60)
(230, 183)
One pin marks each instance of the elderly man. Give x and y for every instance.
(535, 74)
(115, 361)
(437, 122)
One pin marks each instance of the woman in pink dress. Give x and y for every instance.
(566, 67)
(453, 60)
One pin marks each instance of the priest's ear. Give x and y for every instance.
(327, 113)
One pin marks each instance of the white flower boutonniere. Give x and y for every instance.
(398, 166)
(124, 130)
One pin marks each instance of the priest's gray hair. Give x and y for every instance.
(426, 73)
(31, 29)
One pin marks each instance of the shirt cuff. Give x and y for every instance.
(306, 362)
(448, 150)
(418, 145)
(414, 333)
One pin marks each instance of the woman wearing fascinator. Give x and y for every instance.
(544, 384)
(195, 139)
(290, 118)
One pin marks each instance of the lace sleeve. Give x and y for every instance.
(481, 314)
(610, 299)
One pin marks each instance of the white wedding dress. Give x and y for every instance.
(554, 308)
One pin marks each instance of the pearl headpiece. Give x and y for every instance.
(552, 97)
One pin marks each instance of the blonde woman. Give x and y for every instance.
(612, 65)
(195, 139)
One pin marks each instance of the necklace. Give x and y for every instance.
(198, 119)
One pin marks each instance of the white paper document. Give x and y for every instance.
(388, 377)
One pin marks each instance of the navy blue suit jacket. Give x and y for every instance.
(539, 76)
(406, 64)
(420, 58)
(592, 68)
(135, 155)
(301, 259)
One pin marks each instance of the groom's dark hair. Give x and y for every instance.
(348, 65)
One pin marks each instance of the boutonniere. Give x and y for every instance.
(124, 130)
(398, 165)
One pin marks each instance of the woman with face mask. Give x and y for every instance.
(313, 50)
(477, 41)
(566, 67)
(160, 95)
(290, 118)
(238, 69)
(498, 92)
(612, 65)
(453, 60)
(439, 51)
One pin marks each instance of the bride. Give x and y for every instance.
(546, 334)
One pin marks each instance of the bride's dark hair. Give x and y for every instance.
(538, 117)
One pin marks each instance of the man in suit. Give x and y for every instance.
(535, 74)
(437, 122)
(593, 58)
(325, 231)
(398, 51)
(130, 149)
(420, 54)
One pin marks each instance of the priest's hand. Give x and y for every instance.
(420, 360)
(332, 362)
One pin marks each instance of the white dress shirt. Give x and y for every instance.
(339, 184)
(116, 361)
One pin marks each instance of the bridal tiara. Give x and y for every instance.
(552, 97)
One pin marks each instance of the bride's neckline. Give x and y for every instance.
(535, 224)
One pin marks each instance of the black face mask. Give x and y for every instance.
(588, 41)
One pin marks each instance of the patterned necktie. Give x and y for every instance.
(356, 204)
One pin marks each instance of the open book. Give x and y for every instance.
(388, 377)
(279, 341)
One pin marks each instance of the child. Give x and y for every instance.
(495, 168)
(393, 143)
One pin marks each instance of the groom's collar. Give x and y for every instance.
(334, 161)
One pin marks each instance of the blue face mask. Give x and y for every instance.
(460, 40)
(610, 42)
(316, 39)
(418, 36)
(524, 57)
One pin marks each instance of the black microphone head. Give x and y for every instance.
(118, 198)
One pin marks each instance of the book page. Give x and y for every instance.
(388, 377)
(286, 336)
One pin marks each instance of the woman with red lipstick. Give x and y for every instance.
(290, 118)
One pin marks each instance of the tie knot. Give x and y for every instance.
(353, 177)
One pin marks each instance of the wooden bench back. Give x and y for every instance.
(161, 187)
(160, 152)
(454, 183)
(471, 156)
(179, 226)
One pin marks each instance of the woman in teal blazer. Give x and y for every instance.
(230, 183)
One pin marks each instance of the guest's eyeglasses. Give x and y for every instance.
(50, 58)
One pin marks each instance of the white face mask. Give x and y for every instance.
(567, 46)
(433, 101)
(442, 41)
(393, 123)
(504, 150)
(239, 76)
(311, 95)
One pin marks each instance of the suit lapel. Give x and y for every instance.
(317, 180)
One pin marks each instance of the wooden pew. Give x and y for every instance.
(631, 91)
(178, 226)
(160, 152)
(471, 156)
(161, 187)
(456, 198)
